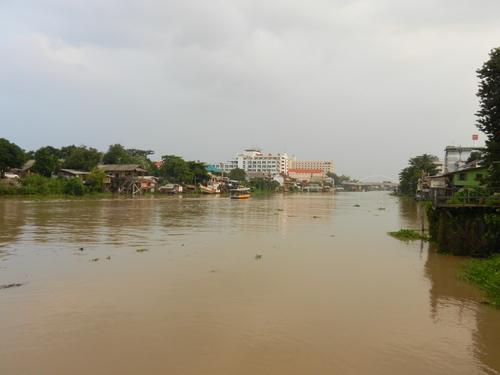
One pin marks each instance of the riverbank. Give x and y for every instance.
(44, 186)
(474, 232)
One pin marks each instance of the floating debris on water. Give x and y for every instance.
(141, 250)
(408, 234)
(258, 256)
(5, 286)
(94, 260)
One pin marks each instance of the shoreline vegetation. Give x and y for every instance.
(485, 273)
(36, 185)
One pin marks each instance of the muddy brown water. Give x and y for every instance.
(331, 294)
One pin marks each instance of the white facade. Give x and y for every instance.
(455, 157)
(252, 160)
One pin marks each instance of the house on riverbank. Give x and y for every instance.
(462, 211)
(71, 173)
(128, 178)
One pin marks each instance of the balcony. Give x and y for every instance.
(461, 197)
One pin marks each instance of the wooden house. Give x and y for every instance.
(122, 170)
(71, 173)
(127, 178)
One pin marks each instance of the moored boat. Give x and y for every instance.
(211, 188)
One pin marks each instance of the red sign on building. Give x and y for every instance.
(474, 137)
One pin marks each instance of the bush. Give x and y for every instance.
(57, 185)
(75, 186)
(34, 185)
(8, 189)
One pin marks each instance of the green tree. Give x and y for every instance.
(488, 116)
(175, 169)
(136, 152)
(64, 152)
(237, 174)
(46, 161)
(95, 180)
(30, 155)
(11, 156)
(474, 155)
(146, 164)
(82, 158)
(199, 172)
(117, 154)
(419, 167)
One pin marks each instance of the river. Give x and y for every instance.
(277, 284)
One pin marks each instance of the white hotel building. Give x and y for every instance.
(252, 160)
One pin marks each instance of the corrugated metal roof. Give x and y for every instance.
(72, 171)
(121, 168)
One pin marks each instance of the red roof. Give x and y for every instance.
(305, 170)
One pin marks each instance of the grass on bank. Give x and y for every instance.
(408, 234)
(485, 273)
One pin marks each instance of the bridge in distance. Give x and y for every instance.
(388, 182)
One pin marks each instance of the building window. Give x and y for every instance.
(479, 176)
(462, 177)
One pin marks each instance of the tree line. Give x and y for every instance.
(48, 160)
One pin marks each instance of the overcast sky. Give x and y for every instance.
(367, 84)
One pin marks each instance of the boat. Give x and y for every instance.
(312, 188)
(211, 188)
(240, 193)
(170, 188)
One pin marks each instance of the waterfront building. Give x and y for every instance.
(253, 160)
(327, 166)
(307, 175)
(456, 157)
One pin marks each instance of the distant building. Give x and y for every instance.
(438, 163)
(326, 166)
(307, 175)
(253, 160)
(456, 157)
